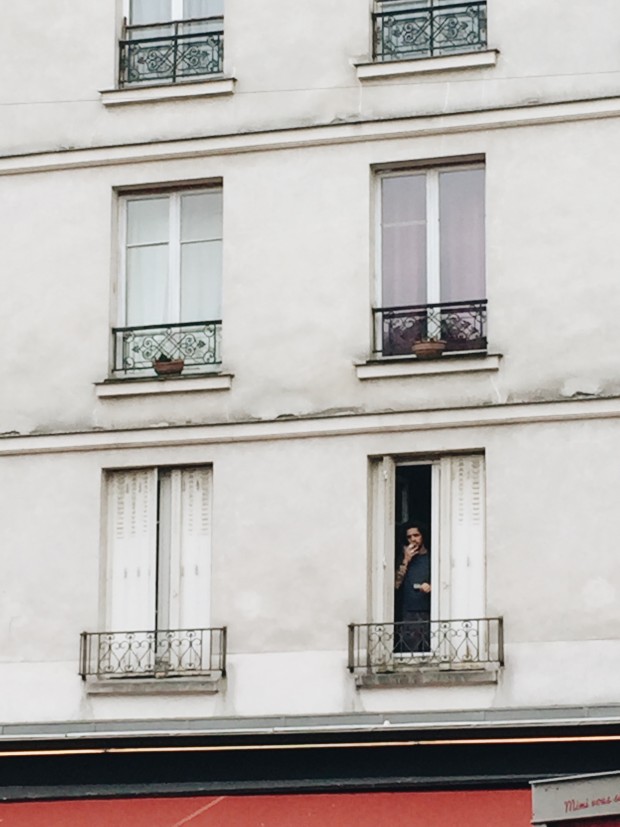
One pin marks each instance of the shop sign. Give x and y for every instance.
(578, 798)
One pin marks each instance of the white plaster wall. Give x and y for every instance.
(290, 563)
(299, 274)
(290, 517)
(291, 69)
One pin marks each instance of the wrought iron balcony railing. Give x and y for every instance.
(171, 52)
(153, 654)
(405, 29)
(196, 343)
(444, 644)
(461, 325)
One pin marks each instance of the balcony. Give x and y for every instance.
(460, 326)
(194, 344)
(182, 50)
(153, 654)
(426, 652)
(406, 29)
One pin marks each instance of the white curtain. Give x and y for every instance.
(461, 235)
(203, 8)
(201, 256)
(403, 240)
(147, 262)
(149, 11)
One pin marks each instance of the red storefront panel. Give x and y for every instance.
(492, 808)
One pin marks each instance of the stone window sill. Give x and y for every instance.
(151, 386)
(422, 66)
(399, 367)
(429, 676)
(204, 685)
(215, 86)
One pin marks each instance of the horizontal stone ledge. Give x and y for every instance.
(377, 71)
(205, 88)
(123, 388)
(397, 368)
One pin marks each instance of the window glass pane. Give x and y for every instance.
(201, 216)
(201, 281)
(403, 240)
(147, 221)
(461, 235)
(203, 8)
(147, 285)
(149, 11)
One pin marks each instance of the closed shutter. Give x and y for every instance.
(190, 549)
(132, 516)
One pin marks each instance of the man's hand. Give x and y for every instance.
(425, 587)
(410, 553)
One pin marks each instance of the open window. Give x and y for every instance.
(157, 578)
(430, 261)
(445, 496)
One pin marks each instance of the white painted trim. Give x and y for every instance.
(216, 86)
(423, 66)
(346, 424)
(203, 685)
(142, 387)
(396, 369)
(433, 274)
(481, 120)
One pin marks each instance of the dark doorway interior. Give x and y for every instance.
(413, 503)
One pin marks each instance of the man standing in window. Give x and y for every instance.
(413, 576)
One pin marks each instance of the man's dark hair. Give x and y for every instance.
(422, 528)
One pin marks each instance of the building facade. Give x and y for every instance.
(279, 283)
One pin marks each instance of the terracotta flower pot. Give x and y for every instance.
(173, 367)
(429, 349)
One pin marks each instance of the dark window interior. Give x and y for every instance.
(413, 503)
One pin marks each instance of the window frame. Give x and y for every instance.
(174, 242)
(176, 12)
(433, 234)
(382, 533)
(164, 553)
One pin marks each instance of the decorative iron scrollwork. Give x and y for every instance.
(406, 31)
(196, 343)
(461, 325)
(166, 53)
(153, 654)
(452, 644)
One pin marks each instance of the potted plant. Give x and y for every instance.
(428, 348)
(165, 366)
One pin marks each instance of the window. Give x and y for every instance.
(431, 261)
(430, 610)
(157, 584)
(170, 292)
(189, 47)
(409, 29)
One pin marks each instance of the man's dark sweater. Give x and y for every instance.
(418, 571)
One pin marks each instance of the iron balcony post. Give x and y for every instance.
(224, 640)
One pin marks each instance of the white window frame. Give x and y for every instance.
(174, 248)
(164, 563)
(446, 599)
(433, 264)
(176, 11)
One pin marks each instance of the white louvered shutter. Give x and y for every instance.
(132, 518)
(190, 549)
(462, 540)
